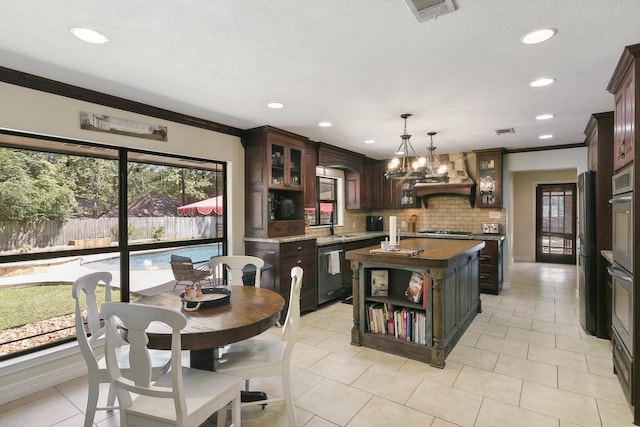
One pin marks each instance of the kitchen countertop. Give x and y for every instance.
(432, 254)
(363, 235)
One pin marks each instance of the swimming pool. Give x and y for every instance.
(157, 260)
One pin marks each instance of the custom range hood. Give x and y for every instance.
(460, 183)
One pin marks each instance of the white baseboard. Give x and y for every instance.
(523, 259)
(35, 372)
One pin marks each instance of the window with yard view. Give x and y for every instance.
(71, 208)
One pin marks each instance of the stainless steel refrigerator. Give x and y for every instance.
(587, 247)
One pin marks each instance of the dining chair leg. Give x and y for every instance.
(288, 397)
(235, 411)
(111, 398)
(222, 417)
(92, 402)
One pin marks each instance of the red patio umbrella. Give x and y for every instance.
(203, 207)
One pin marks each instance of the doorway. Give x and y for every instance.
(556, 223)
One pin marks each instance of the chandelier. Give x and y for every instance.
(435, 171)
(410, 166)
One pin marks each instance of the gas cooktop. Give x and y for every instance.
(443, 233)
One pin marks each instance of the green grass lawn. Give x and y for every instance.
(28, 304)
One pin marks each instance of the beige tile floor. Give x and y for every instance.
(524, 361)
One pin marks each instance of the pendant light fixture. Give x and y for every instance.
(435, 171)
(409, 166)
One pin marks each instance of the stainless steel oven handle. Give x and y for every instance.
(621, 199)
(619, 274)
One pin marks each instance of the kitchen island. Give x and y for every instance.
(425, 327)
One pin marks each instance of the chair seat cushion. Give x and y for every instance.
(200, 389)
(179, 258)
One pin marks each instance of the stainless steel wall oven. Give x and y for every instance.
(622, 248)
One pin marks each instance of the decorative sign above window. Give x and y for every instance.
(108, 124)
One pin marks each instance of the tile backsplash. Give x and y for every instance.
(452, 213)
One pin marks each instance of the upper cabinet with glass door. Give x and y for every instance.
(489, 178)
(286, 164)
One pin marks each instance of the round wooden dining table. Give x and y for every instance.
(249, 312)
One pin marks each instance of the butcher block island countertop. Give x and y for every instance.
(427, 330)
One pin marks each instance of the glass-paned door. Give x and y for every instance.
(556, 223)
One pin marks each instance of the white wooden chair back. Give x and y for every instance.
(84, 290)
(235, 264)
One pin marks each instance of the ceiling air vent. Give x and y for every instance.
(505, 131)
(427, 9)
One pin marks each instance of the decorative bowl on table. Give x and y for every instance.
(211, 297)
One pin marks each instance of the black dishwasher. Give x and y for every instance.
(330, 261)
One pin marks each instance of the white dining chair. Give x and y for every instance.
(233, 264)
(255, 358)
(96, 367)
(184, 397)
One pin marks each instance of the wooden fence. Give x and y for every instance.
(24, 235)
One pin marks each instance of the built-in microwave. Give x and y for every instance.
(622, 219)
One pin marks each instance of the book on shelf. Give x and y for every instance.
(379, 283)
(402, 323)
(414, 289)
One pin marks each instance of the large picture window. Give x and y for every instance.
(70, 208)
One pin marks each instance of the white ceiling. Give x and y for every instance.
(359, 64)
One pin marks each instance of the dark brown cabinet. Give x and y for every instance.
(392, 193)
(368, 198)
(274, 182)
(358, 172)
(352, 190)
(283, 257)
(489, 178)
(491, 268)
(624, 87)
(309, 164)
(599, 140)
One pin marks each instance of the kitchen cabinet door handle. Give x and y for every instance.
(621, 199)
(619, 274)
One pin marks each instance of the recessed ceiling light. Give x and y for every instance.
(88, 35)
(275, 105)
(325, 124)
(539, 36)
(544, 116)
(546, 136)
(370, 141)
(399, 153)
(544, 81)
